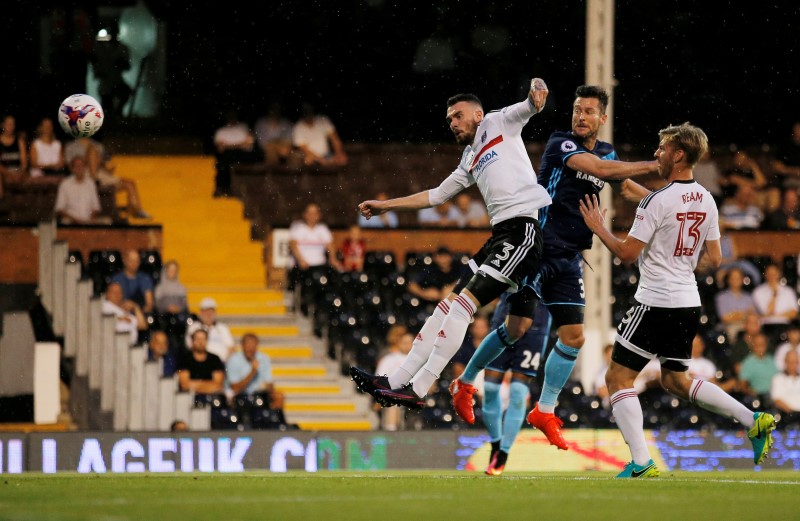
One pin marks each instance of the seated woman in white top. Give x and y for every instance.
(47, 152)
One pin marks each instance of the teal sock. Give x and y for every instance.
(492, 410)
(491, 347)
(515, 414)
(556, 372)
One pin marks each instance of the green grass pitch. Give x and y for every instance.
(406, 495)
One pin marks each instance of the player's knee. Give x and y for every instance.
(571, 336)
(516, 326)
(676, 383)
(484, 289)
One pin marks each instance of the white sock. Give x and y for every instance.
(421, 348)
(629, 417)
(447, 343)
(712, 398)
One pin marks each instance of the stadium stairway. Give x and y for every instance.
(210, 239)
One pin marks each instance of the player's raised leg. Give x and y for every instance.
(513, 251)
(416, 358)
(448, 341)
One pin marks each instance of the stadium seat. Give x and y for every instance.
(222, 417)
(380, 264)
(102, 265)
(416, 261)
(151, 264)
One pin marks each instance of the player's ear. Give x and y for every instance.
(478, 115)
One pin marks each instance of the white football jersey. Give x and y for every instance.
(674, 223)
(498, 162)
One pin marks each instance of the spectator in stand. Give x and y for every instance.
(769, 200)
(786, 162)
(311, 245)
(758, 369)
(77, 201)
(444, 215)
(170, 293)
(385, 220)
(219, 340)
(785, 389)
(234, 144)
(160, 350)
(101, 169)
(354, 248)
(136, 284)
(787, 217)
(792, 344)
(471, 213)
(47, 151)
(274, 135)
(249, 372)
(776, 303)
(708, 174)
(701, 367)
(13, 150)
(130, 318)
(179, 426)
(435, 282)
(743, 170)
(199, 370)
(399, 341)
(741, 212)
(316, 137)
(745, 340)
(733, 304)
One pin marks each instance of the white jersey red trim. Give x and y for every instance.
(502, 168)
(674, 223)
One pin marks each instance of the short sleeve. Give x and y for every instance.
(216, 363)
(713, 226)
(644, 223)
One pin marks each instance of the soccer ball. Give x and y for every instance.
(80, 115)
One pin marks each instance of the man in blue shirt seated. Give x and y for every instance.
(136, 285)
(249, 373)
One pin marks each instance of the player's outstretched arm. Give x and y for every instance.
(632, 191)
(410, 202)
(610, 169)
(626, 249)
